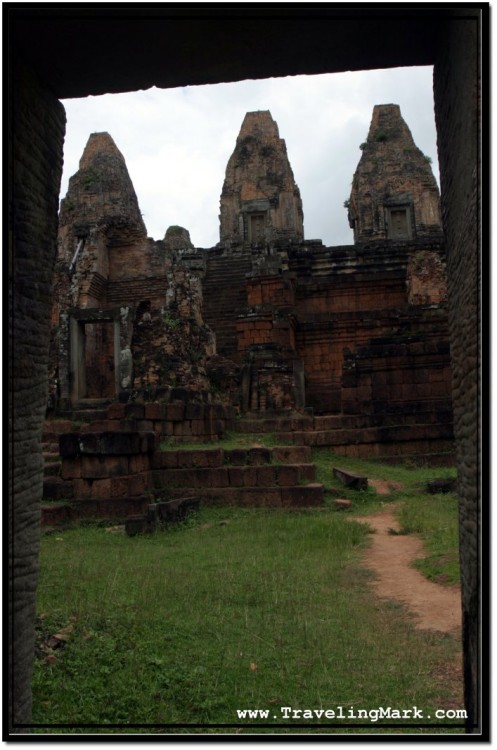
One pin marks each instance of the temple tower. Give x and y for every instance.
(394, 193)
(260, 202)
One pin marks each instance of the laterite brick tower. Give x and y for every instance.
(394, 193)
(260, 201)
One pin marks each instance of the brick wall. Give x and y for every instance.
(457, 112)
(37, 124)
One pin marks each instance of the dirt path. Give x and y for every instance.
(435, 607)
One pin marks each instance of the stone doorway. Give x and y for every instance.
(256, 227)
(94, 357)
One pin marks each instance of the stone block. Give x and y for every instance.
(138, 484)
(56, 488)
(235, 475)
(101, 425)
(194, 410)
(215, 477)
(106, 443)
(291, 454)
(307, 472)
(55, 515)
(144, 425)
(116, 411)
(100, 467)
(249, 476)
(349, 479)
(259, 456)
(69, 445)
(147, 442)
(287, 476)
(153, 411)
(260, 497)
(134, 411)
(118, 487)
(70, 468)
(175, 411)
(101, 487)
(201, 458)
(436, 486)
(266, 475)
(197, 427)
(167, 428)
(138, 463)
(138, 525)
(235, 457)
(342, 504)
(165, 459)
(302, 496)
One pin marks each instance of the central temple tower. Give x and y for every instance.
(260, 202)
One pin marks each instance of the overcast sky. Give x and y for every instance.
(177, 142)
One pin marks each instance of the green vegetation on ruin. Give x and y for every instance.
(240, 608)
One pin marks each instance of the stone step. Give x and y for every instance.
(262, 425)
(301, 496)
(350, 479)
(60, 514)
(271, 475)
(219, 457)
(390, 434)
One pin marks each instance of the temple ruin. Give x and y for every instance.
(345, 346)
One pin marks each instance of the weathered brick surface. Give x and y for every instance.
(458, 123)
(259, 181)
(392, 173)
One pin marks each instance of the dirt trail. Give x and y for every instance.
(435, 607)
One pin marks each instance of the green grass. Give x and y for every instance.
(435, 519)
(230, 440)
(237, 608)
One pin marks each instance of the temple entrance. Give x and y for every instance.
(99, 359)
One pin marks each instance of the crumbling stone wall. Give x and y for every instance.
(127, 311)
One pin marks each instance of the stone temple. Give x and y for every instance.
(343, 346)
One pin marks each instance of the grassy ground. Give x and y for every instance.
(236, 609)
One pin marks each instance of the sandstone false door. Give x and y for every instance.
(256, 227)
(95, 354)
(398, 224)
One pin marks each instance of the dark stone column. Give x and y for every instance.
(457, 111)
(36, 134)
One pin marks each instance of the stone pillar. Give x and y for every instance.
(36, 127)
(457, 112)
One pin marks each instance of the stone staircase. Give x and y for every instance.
(395, 437)
(114, 468)
(225, 296)
(259, 477)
